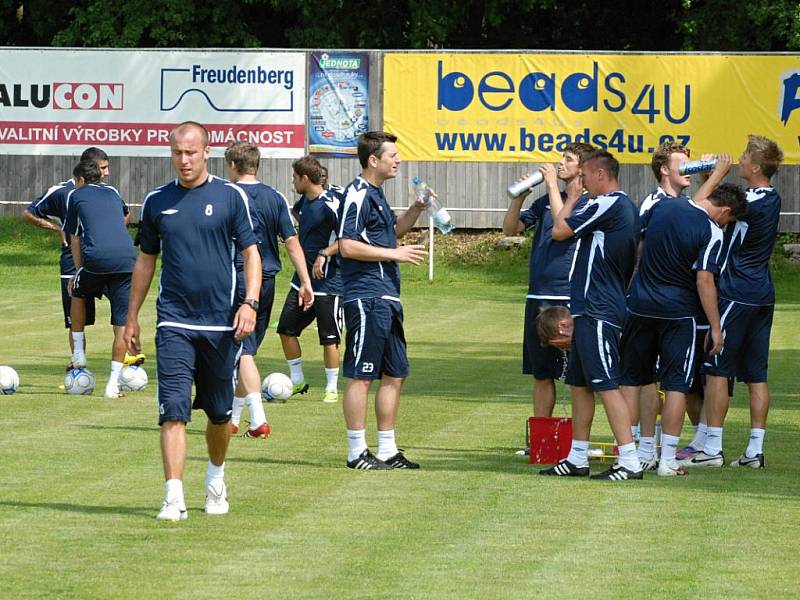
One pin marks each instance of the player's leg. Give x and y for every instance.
(544, 363)
(259, 426)
(292, 322)
(81, 285)
(329, 327)
(117, 289)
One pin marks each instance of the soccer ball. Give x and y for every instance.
(132, 378)
(9, 380)
(277, 387)
(79, 382)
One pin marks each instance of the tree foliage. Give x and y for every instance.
(667, 25)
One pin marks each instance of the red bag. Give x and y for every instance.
(550, 439)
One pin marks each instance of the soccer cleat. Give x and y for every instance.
(399, 461)
(133, 359)
(651, 464)
(566, 469)
(687, 452)
(217, 499)
(671, 469)
(367, 461)
(619, 473)
(262, 431)
(701, 459)
(299, 388)
(331, 397)
(78, 360)
(172, 511)
(756, 462)
(234, 429)
(523, 452)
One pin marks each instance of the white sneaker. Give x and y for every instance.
(648, 464)
(78, 360)
(217, 499)
(112, 391)
(670, 469)
(701, 459)
(174, 510)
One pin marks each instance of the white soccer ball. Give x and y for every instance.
(277, 387)
(79, 382)
(9, 380)
(132, 378)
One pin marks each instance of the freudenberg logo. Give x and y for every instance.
(230, 89)
(790, 95)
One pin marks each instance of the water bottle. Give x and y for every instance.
(515, 189)
(697, 166)
(441, 218)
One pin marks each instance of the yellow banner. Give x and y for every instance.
(527, 107)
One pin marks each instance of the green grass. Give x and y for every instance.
(81, 477)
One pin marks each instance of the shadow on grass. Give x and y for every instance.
(82, 508)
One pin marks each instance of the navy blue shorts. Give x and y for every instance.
(266, 297)
(327, 310)
(205, 358)
(375, 342)
(66, 304)
(114, 286)
(594, 355)
(746, 330)
(543, 362)
(670, 341)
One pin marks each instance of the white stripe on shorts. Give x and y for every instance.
(360, 335)
(601, 348)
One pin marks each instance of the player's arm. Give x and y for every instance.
(47, 224)
(716, 177)
(319, 262)
(305, 295)
(356, 250)
(244, 321)
(707, 290)
(512, 224)
(559, 209)
(142, 276)
(406, 221)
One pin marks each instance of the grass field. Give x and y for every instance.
(81, 477)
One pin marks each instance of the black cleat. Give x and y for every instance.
(366, 461)
(619, 473)
(399, 461)
(566, 469)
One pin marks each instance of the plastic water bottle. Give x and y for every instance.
(697, 166)
(441, 218)
(515, 189)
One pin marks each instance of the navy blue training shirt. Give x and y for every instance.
(319, 224)
(653, 198)
(679, 240)
(551, 260)
(745, 276)
(607, 229)
(367, 218)
(96, 213)
(198, 233)
(269, 212)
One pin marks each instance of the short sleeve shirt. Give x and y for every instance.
(319, 224)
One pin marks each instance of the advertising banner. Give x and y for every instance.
(526, 107)
(61, 101)
(338, 101)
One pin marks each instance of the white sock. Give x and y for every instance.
(577, 453)
(296, 370)
(756, 444)
(387, 447)
(112, 387)
(236, 411)
(699, 439)
(256, 409)
(647, 448)
(174, 491)
(356, 443)
(214, 473)
(628, 457)
(78, 340)
(713, 445)
(669, 446)
(332, 377)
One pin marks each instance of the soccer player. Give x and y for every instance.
(672, 287)
(317, 212)
(548, 282)
(103, 255)
(53, 205)
(195, 222)
(746, 303)
(270, 216)
(375, 342)
(607, 229)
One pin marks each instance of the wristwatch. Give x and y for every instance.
(322, 253)
(251, 303)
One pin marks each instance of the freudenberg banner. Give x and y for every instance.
(61, 101)
(527, 107)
